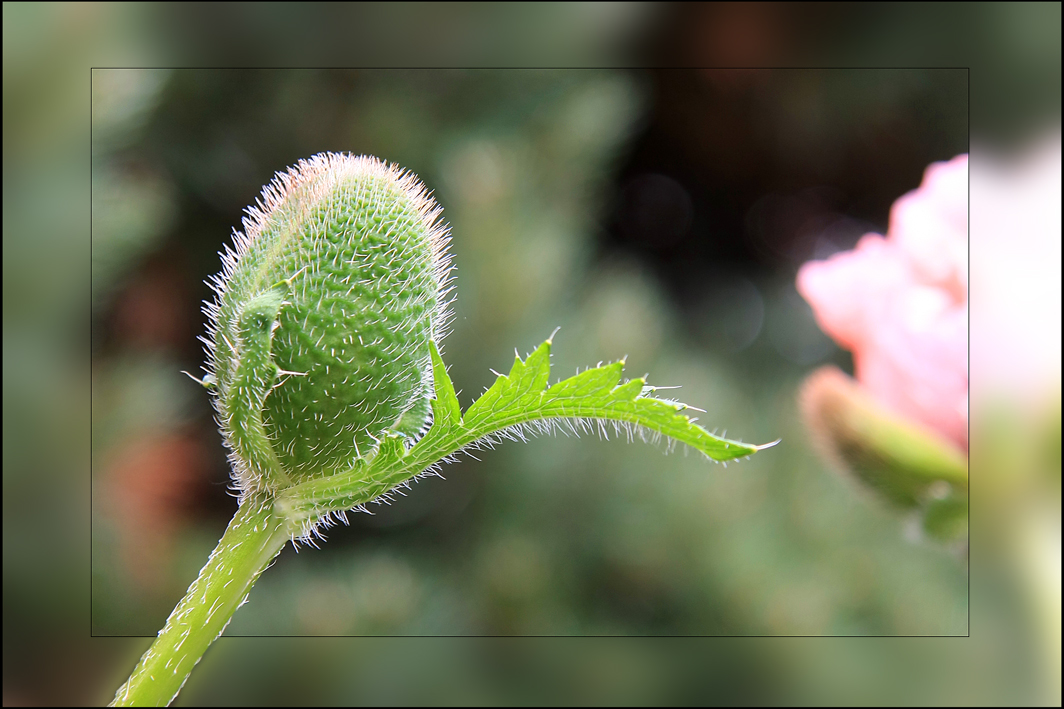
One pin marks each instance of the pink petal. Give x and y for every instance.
(900, 303)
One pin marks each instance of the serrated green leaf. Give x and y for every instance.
(514, 401)
(445, 407)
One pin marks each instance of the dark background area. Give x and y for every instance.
(758, 171)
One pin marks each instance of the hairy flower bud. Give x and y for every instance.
(319, 336)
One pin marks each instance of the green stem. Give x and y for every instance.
(254, 538)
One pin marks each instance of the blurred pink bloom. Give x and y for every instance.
(1016, 260)
(900, 303)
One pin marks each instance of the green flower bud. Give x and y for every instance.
(319, 336)
(906, 463)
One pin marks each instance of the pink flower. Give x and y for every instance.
(900, 303)
(1016, 257)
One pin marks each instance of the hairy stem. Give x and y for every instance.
(254, 538)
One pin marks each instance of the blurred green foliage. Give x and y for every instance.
(558, 536)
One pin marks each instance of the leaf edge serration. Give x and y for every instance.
(317, 504)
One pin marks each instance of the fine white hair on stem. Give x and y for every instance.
(312, 528)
